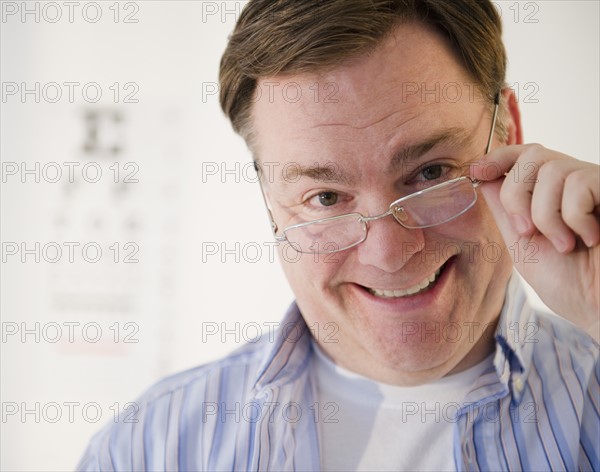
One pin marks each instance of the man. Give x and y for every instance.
(406, 209)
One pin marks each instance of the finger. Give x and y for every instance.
(491, 194)
(516, 200)
(517, 190)
(497, 163)
(580, 204)
(501, 161)
(522, 165)
(547, 202)
(523, 250)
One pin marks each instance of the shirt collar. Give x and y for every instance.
(289, 354)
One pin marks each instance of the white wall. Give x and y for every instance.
(169, 138)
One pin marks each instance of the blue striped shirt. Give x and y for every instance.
(537, 408)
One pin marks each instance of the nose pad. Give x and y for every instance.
(400, 215)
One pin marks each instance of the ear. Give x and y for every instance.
(513, 117)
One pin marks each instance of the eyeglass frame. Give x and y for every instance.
(392, 207)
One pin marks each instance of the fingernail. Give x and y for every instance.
(520, 224)
(560, 244)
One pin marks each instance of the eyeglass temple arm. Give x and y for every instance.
(494, 117)
(271, 220)
(488, 147)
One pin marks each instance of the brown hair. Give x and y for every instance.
(292, 36)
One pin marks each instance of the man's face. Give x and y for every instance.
(410, 94)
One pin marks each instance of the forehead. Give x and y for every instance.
(410, 85)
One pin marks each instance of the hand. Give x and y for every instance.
(547, 207)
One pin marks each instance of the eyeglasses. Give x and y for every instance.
(423, 209)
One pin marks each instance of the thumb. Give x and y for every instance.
(491, 194)
(523, 250)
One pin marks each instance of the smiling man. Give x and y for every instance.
(385, 144)
(400, 147)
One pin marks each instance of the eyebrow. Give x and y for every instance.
(453, 137)
(329, 172)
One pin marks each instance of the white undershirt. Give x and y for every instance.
(385, 427)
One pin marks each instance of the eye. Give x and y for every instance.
(432, 172)
(328, 202)
(328, 198)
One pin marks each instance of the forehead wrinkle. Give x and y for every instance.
(455, 137)
(358, 128)
(328, 172)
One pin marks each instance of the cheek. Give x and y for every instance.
(309, 273)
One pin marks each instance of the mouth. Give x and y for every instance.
(424, 285)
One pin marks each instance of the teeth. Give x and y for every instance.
(422, 285)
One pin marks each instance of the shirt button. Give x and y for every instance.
(468, 451)
(518, 383)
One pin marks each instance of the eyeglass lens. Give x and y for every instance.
(429, 208)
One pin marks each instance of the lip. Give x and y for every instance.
(412, 303)
(436, 274)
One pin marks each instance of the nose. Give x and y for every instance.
(389, 245)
